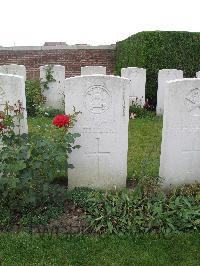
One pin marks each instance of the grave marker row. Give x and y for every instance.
(103, 101)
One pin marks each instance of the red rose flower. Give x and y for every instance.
(61, 120)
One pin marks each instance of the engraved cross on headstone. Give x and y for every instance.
(99, 154)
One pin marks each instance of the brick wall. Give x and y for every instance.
(72, 57)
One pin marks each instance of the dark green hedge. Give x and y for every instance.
(156, 50)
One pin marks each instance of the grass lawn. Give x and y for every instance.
(144, 144)
(144, 147)
(24, 249)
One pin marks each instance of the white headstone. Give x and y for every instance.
(101, 162)
(137, 76)
(14, 69)
(55, 93)
(180, 149)
(198, 74)
(165, 75)
(93, 70)
(12, 90)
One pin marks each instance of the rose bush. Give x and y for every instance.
(30, 162)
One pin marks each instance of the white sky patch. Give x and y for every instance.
(32, 22)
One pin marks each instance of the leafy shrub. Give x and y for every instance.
(34, 97)
(155, 50)
(124, 211)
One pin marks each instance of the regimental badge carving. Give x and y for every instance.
(192, 101)
(97, 99)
